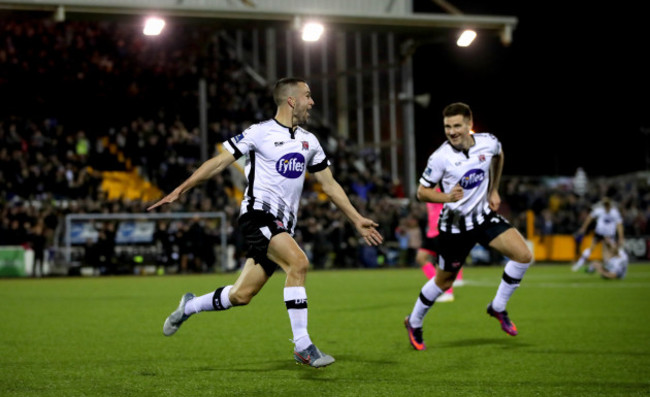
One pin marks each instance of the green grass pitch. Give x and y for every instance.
(579, 335)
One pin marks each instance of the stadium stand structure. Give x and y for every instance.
(154, 135)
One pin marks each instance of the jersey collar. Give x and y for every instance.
(292, 130)
(465, 151)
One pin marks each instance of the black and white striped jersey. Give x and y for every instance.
(471, 170)
(277, 159)
(606, 221)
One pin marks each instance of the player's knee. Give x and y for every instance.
(521, 253)
(525, 257)
(444, 282)
(445, 285)
(299, 266)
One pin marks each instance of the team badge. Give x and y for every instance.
(481, 158)
(305, 145)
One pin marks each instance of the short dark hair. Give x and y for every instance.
(457, 108)
(607, 202)
(280, 93)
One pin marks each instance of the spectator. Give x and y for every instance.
(37, 242)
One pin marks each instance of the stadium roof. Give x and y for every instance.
(388, 14)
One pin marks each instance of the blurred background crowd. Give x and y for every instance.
(83, 97)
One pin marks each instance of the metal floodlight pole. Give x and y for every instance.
(409, 123)
(203, 118)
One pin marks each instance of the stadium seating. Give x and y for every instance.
(127, 131)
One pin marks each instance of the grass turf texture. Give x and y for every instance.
(579, 335)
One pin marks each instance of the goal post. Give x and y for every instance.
(138, 229)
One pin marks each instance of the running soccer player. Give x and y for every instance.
(467, 168)
(609, 228)
(278, 154)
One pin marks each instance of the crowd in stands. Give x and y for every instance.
(70, 89)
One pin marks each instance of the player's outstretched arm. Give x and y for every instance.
(619, 233)
(366, 227)
(207, 170)
(583, 228)
(604, 273)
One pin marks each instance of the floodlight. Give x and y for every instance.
(312, 31)
(59, 14)
(466, 38)
(153, 26)
(422, 100)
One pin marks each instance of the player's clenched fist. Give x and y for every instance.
(455, 194)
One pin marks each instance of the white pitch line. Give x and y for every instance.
(532, 284)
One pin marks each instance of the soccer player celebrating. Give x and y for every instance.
(278, 154)
(467, 168)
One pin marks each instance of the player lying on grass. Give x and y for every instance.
(614, 267)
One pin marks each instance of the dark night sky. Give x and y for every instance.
(556, 102)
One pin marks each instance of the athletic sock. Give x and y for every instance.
(429, 270)
(583, 257)
(295, 299)
(206, 303)
(512, 275)
(430, 291)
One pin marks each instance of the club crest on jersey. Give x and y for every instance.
(481, 158)
(305, 145)
(472, 179)
(279, 224)
(291, 165)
